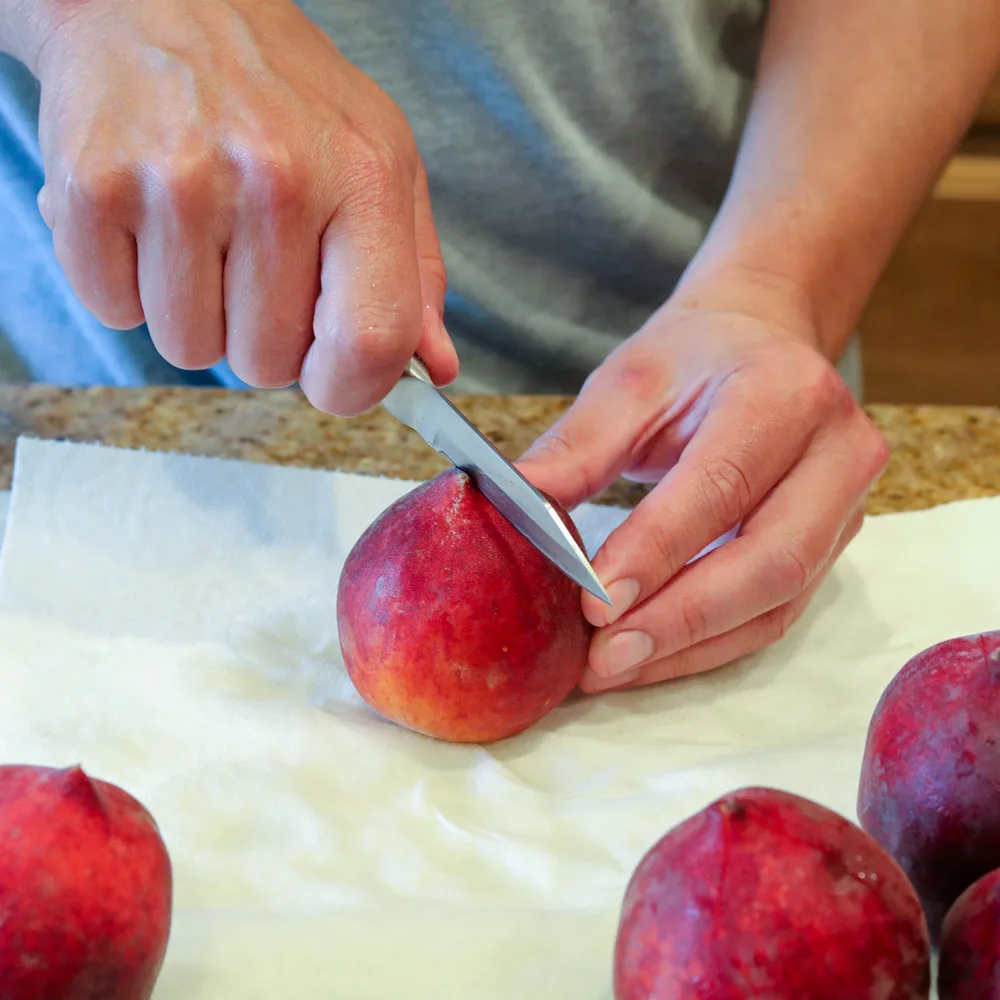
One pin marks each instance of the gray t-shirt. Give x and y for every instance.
(576, 150)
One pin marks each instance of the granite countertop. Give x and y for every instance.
(939, 454)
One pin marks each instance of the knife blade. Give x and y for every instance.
(417, 402)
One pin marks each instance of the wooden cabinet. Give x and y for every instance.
(931, 333)
(989, 112)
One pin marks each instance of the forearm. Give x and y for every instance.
(856, 110)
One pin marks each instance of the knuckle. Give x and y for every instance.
(648, 532)
(777, 622)
(96, 187)
(184, 180)
(557, 448)
(274, 177)
(663, 545)
(693, 620)
(773, 626)
(640, 376)
(375, 167)
(434, 276)
(793, 568)
(824, 390)
(854, 525)
(378, 345)
(553, 445)
(395, 123)
(876, 453)
(727, 491)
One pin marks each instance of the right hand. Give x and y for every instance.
(217, 169)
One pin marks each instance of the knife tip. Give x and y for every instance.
(594, 587)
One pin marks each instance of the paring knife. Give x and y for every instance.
(416, 402)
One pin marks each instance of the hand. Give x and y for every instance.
(741, 422)
(217, 169)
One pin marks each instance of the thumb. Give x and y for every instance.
(435, 348)
(586, 449)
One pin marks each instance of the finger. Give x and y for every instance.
(746, 443)
(180, 266)
(784, 544)
(752, 637)
(90, 213)
(628, 398)
(368, 318)
(271, 277)
(435, 347)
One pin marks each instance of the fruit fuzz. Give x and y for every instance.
(85, 889)
(766, 894)
(930, 780)
(452, 623)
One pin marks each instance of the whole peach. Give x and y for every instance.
(767, 894)
(969, 968)
(930, 780)
(452, 624)
(85, 888)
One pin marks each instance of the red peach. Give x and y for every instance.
(930, 780)
(452, 624)
(85, 889)
(969, 966)
(764, 894)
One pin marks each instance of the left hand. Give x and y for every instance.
(730, 407)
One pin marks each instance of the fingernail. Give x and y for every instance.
(625, 651)
(596, 684)
(623, 594)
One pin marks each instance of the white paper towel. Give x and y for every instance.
(169, 622)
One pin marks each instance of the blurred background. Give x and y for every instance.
(931, 333)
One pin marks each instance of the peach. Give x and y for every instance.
(767, 894)
(930, 780)
(969, 966)
(85, 888)
(452, 624)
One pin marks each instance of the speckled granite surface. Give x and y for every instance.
(939, 454)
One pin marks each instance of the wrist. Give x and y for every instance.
(731, 285)
(27, 25)
(818, 260)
